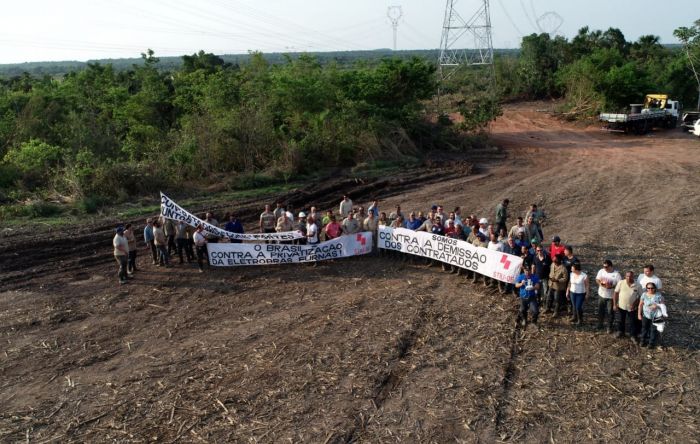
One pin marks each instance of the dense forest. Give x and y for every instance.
(101, 134)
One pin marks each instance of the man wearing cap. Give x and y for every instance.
(529, 286)
(556, 248)
(502, 215)
(607, 279)
(121, 252)
(301, 226)
(483, 227)
(149, 238)
(345, 207)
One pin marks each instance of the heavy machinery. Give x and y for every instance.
(657, 111)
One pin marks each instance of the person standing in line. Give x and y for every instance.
(351, 225)
(577, 292)
(569, 259)
(284, 224)
(161, 245)
(302, 226)
(268, 221)
(181, 241)
(518, 229)
(649, 276)
(200, 245)
(556, 248)
(370, 224)
(542, 264)
(374, 209)
(312, 234)
(648, 311)
(345, 206)
(121, 252)
(169, 230)
(607, 279)
(211, 220)
(502, 215)
(538, 218)
(533, 229)
(131, 239)
(279, 210)
(234, 225)
(529, 286)
(149, 238)
(558, 280)
(333, 229)
(625, 302)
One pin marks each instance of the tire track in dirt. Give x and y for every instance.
(388, 381)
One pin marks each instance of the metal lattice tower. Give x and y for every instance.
(465, 42)
(394, 13)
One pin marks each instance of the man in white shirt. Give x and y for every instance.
(649, 276)
(200, 245)
(607, 279)
(121, 252)
(345, 206)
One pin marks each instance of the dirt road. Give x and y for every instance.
(371, 349)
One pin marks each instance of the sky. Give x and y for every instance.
(54, 30)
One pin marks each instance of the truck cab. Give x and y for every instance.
(661, 101)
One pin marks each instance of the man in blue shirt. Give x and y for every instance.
(529, 285)
(150, 238)
(234, 226)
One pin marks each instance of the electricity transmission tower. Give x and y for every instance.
(465, 42)
(394, 13)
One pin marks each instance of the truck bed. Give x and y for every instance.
(621, 118)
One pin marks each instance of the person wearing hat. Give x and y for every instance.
(556, 248)
(121, 252)
(483, 227)
(302, 227)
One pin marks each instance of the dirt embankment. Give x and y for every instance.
(369, 349)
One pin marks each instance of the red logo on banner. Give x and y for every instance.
(505, 261)
(361, 239)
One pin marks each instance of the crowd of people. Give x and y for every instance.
(551, 276)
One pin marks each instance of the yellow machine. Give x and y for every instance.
(655, 101)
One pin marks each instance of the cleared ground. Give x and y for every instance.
(370, 349)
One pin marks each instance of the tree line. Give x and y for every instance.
(104, 134)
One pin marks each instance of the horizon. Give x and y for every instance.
(44, 31)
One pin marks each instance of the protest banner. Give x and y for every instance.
(170, 210)
(497, 265)
(229, 255)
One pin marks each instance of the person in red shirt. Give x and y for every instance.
(333, 229)
(556, 248)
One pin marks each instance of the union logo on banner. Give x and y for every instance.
(505, 261)
(361, 239)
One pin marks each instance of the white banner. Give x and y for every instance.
(169, 209)
(229, 255)
(501, 266)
